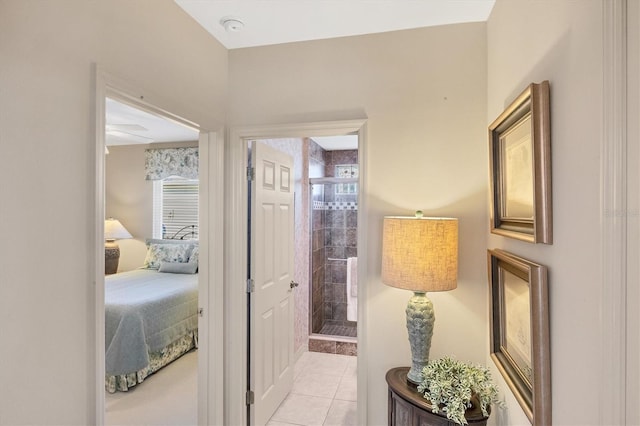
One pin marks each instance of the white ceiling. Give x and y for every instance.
(337, 143)
(269, 22)
(127, 125)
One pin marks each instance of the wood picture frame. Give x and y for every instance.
(520, 164)
(519, 339)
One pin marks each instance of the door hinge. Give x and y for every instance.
(251, 173)
(250, 285)
(249, 397)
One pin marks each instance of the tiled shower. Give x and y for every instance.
(334, 217)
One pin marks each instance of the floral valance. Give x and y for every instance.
(162, 163)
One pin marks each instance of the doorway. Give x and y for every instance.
(238, 405)
(334, 182)
(158, 208)
(323, 387)
(209, 381)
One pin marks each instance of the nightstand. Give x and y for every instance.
(407, 407)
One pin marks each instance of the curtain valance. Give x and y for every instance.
(162, 163)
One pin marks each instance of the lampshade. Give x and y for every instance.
(420, 253)
(113, 230)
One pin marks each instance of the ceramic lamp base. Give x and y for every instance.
(420, 320)
(111, 257)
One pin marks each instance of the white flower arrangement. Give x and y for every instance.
(450, 384)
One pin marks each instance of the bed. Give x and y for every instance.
(151, 314)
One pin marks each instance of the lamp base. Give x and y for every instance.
(111, 257)
(420, 320)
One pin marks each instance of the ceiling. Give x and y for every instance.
(126, 125)
(268, 22)
(337, 143)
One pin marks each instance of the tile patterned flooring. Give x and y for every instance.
(324, 392)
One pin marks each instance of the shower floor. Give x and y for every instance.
(338, 330)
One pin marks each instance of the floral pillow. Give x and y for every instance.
(193, 258)
(158, 253)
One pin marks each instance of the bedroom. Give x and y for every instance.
(151, 199)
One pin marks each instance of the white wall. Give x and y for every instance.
(425, 102)
(47, 49)
(560, 41)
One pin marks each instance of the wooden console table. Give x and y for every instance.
(407, 407)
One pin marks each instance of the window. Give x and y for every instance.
(175, 208)
(347, 171)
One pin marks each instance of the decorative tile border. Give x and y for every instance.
(335, 205)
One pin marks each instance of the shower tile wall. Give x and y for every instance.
(340, 241)
(316, 169)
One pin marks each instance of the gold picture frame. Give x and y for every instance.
(520, 164)
(520, 331)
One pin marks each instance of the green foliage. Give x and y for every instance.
(449, 385)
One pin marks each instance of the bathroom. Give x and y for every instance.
(326, 207)
(334, 220)
(326, 190)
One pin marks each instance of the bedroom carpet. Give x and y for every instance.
(167, 397)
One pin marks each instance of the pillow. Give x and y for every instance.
(195, 253)
(178, 267)
(157, 253)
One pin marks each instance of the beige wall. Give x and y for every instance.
(47, 49)
(561, 41)
(427, 107)
(129, 198)
(426, 149)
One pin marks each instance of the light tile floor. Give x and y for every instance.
(324, 392)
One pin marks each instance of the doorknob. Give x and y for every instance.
(293, 284)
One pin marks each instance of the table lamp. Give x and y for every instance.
(113, 230)
(420, 254)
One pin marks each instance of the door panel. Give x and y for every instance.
(272, 232)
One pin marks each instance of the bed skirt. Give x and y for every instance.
(157, 360)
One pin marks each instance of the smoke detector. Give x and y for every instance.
(232, 24)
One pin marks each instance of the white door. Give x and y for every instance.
(272, 230)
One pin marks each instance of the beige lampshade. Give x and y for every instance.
(420, 253)
(113, 230)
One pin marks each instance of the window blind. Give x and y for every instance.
(176, 208)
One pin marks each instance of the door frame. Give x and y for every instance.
(630, 30)
(210, 289)
(236, 246)
(614, 226)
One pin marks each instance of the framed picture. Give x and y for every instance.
(520, 163)
(520, 331)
